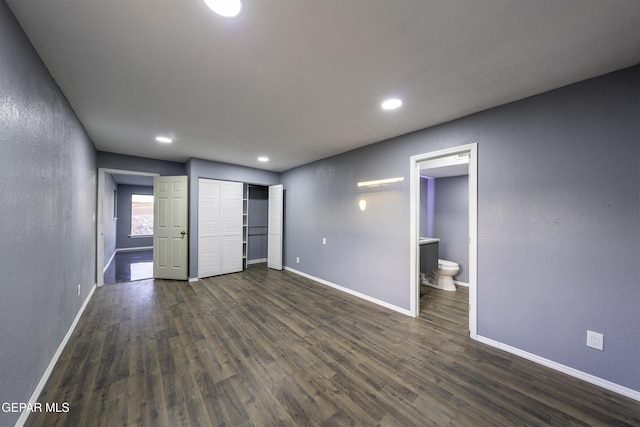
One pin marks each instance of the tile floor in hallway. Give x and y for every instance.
(129, 266)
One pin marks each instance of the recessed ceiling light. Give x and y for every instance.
(263, 159)
(164, 139)
(226, 8)
(391, 104)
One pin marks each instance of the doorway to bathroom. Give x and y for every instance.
(439, 162)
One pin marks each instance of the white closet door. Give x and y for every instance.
(231, 227)
(274, 243)
(209, 228)
(219, 227)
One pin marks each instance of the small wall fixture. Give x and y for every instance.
(263, 159)
(362, 204)
(378, 182)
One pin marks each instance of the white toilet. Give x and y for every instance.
(442, 278)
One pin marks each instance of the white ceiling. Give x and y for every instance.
(138, 180)
(444, 167)
(300, 80)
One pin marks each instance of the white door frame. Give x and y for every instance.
(100, 214)
(414, 227)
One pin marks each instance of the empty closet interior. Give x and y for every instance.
(257, 221)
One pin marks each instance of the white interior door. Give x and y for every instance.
(219, 227)
(170, 227)
(274, 243)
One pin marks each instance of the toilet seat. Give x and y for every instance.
(443, 264)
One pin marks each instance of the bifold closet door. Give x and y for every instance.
(219, 227)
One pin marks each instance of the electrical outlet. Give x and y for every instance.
(78, 289)
(324, 240)
(297, 260)
(595, 340)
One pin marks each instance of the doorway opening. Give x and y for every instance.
(257, 224)
(265, 213)
(440, 158)
(122, 254)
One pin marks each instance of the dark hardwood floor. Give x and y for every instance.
(269, 348)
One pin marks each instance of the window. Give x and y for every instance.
(141, 215)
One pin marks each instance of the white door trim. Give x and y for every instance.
(414, 227)
(100, 216)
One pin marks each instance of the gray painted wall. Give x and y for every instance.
(366, 251)
(47, 216)
(198, 168)
(451, 221)
(258, 219)
(110, 226)
(558, 221)
(140, 164)
(427, 191)
(123, 240)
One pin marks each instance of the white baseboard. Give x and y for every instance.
(193, 279)
(256, 261)
(608, 385)
(36, 393)
(141, 248)
(459, 283)
(106, 266)
(351, 292)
